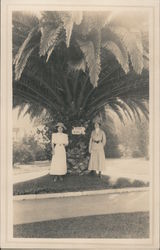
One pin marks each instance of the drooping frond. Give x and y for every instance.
(131, 108)
(21, 108)
(92, 20)
(120, 55)
(133, 44)
(137, 107)
(50, 31)
(117, 110)
(109, 37)
(69, 19)
(22, 24)
(49, 41)
(34, 111)
(24, 52)
(124, 108)
(30, 107)
(95, 37)
(127, 95)
(77, 17)
(92, 60)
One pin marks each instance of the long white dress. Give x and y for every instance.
(96, 148)
(58, 163)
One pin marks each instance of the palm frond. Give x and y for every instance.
(24, 45)
(133, 44)
(91, 21)
(81, 96)
(117, 110)
(77, 17)
(23, 23)
(37, 72)
(141, 105)
(28, 98)
(128, 94)
(124, 108)
(36, 92)
(92, 60)
(49, 39)
(115, 46)
(21, 108)
(34, 111)
(128, 107)
(24, 52)
(69, 19)
(121, 56)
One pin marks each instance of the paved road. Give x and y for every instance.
(26, 211)
(127, 168)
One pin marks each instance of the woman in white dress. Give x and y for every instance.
(96, 149)
(58, 164)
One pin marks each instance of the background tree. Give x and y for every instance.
(28, 150)
(74, 64)
(134, 139)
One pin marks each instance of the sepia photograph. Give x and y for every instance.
(80, 125)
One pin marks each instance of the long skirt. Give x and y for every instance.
(58, 163)
(97, 158)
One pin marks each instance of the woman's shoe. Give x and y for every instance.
(93, 173)
(100, 175)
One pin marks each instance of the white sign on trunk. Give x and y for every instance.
(78, 131)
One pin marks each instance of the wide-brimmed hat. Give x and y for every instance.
(60, 124)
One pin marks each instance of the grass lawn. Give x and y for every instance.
(72, 183)
(124, 225)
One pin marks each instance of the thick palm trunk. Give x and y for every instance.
(77, 156)
(77, 152)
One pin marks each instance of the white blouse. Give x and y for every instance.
(59, 138)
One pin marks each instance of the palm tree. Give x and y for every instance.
(76, 64)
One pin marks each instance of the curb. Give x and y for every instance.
(76, 194)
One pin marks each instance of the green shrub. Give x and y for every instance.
(22, 154)
(28, 150)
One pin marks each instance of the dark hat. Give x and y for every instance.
(98, 120)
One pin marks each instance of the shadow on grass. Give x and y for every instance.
(123, 183)
(72, 183)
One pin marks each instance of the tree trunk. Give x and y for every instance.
(77, 151)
